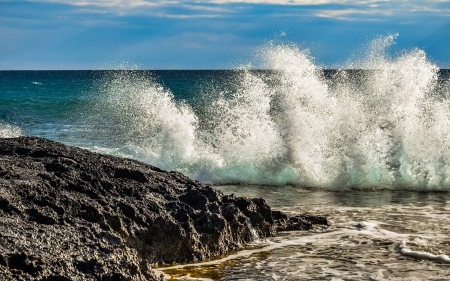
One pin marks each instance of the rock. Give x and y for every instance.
(299, 222)
(70, 214)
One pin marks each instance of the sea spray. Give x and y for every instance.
(146, 117)
(382, 127)
(303, 113)
(242, 133)
(8, 131)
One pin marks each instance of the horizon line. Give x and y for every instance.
(206, 69)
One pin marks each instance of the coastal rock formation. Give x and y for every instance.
(70, 214)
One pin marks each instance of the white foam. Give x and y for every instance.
(299, 238)
(308, 237)
(386, 128)
(405, 250)
(349, 246)
(162, 131)
(8, 131)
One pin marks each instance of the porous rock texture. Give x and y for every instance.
(70, 214)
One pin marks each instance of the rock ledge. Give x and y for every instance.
(70, 214)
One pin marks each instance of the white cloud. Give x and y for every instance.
(155, 8)
(207, 8)
(350, 13)
(123, 4)
(198, 3)
(184, 16)
(291, 2)
(337, 14)
(342, 9)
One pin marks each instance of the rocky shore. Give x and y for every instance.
(70, 214)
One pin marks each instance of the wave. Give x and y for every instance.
(8, 131)
(387, 126)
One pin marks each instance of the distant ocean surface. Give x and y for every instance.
(368, 148)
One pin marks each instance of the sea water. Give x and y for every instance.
(367, 145)
(374, 235)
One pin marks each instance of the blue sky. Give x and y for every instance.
(202, 34)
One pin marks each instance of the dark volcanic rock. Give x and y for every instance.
(70, 214)
(300, 222)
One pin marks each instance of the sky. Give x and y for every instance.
(210, 34)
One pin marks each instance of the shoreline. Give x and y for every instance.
(68, 213)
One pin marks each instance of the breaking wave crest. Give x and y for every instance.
(387, 126)
(8, 131)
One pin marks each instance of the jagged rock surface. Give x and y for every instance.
(70, 214)
(282, 222)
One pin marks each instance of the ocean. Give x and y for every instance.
(367, 145)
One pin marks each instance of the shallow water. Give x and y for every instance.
(361, 244)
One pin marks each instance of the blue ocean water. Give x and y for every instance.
(299, 124)
(359, 144)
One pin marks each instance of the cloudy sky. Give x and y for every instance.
(210, 34)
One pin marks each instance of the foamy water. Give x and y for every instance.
(374, 236)
(8, 131)
(385, 127)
